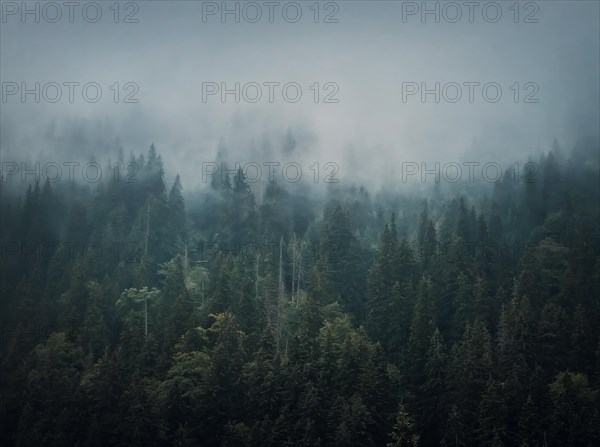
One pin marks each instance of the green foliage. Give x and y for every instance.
(348, 323)
(403, 434)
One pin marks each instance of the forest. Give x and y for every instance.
(294, 314)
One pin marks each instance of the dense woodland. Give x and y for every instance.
(272, 315)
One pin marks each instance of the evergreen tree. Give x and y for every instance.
(403, 434)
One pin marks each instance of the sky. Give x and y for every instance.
(528, 72)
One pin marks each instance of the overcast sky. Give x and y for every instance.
(366, 57)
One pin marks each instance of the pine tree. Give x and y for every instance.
(469, 373)
(403, 434)
(49, 398)
(433, 393)
(492, 415)
(177, 214)
(421, 330)
(530, 425)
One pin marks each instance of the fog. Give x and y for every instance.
(367, 55)
(311, 223)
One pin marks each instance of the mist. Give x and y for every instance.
(368, 54)
(254, 224)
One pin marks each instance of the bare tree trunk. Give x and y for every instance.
(293, 265)
(185, 258)
(300, 274)
(268, 308)
(187, 281)
(280, 296)
(147, 231)
(256, 278)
